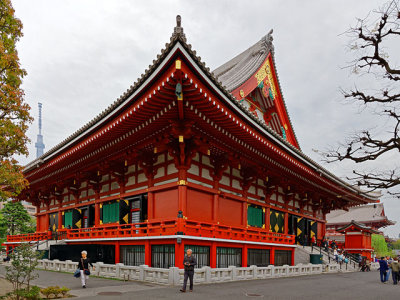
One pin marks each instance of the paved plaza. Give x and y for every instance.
(330, 286)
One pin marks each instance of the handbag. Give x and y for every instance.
(85, 271)
(77, 273)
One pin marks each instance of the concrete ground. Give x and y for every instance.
(356, 285)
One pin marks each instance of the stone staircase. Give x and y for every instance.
(302, 255)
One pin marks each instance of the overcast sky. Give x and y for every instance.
(82, 55)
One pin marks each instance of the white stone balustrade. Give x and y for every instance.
(174, 276)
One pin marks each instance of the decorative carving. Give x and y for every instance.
(249, 175)
(178, 30)
(146, 160)
(220, 163)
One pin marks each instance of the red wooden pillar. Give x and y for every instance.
(117, 253)
(272, 256)
(244, 213)
(182, 194)
(150, 205)
(60, 222)
(286, 227)
(182, 189)
(293, 253)
(215, 208)
(244, 256)
(323, 228)
(38, 220)
(179, 253)
(213, 255)
(147, 253)
(96, 214)
(47, 221)
(267, 218)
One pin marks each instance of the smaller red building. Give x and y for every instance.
(358, 238)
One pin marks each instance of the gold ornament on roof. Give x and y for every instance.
(266, 73)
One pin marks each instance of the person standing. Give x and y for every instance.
(188, 262)
(395, 270)
(383, 268)
(84, 268)
(389, 262)
(313, 241)
(333, 244)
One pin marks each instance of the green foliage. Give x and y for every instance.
(14, 112)
(29, 294)
(15, 219)
(55, 292)
(395, 245)
(22, 269)
(379, 245)
(3, 229)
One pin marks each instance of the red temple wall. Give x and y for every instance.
(230, 212)
(199, 206)
(166, 204)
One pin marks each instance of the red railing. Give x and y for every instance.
(28, 237)
(166, 227)
(236, 233)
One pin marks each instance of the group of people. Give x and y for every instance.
(341, 256)
(189, 262)
(389, 265)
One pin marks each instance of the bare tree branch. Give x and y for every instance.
(369, 41)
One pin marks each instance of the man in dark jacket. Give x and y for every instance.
(188, 262)
(383, 268)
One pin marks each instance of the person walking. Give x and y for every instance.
(188, 262)
(84, 268)
(335, 254)
(383, 268)
(388, 273)
(394, 265)
(325, 245)
(333, 244)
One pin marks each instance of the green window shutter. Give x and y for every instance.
(68, 219)
(111, 212)
(105, 213)
(255, 216)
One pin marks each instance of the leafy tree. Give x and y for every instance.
(396, 245)
(24, 260)
(15, 218)
(373, 42)
(379, 245)
(3, 229)
(14, 112)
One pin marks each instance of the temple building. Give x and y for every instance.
(372, 216)
(187, 158)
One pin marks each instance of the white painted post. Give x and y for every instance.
(233, 272)
(254, 270)
(207, 274)
(118, 270)
(141, 272)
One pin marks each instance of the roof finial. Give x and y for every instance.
(178, 30)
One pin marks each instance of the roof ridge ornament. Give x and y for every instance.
(178, 30)
(266, 42)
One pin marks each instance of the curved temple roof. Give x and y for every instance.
(365, 214)
(239, 69)
(242, 63)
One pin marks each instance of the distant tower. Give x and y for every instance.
(39, 143)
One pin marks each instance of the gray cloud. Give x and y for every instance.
(82, 55)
